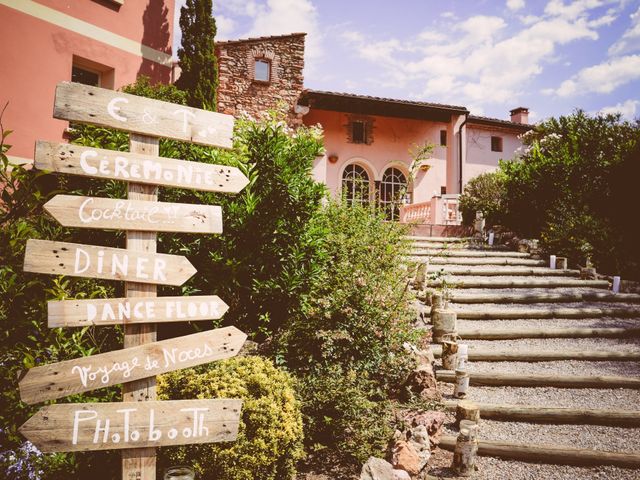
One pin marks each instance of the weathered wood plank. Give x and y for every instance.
(61, 379)
(117, 214)
(139, 168)
(514, 333)
(552, 454)
(73, 427)
(557, 415)
(78, 260)
(529, 355)
(119, 311)
(108, 108)
(530, 380)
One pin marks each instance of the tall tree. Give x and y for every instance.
(198, 62)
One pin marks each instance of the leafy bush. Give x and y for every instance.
(484, 193)
(562, 188)
(269, 442)
(346, 348)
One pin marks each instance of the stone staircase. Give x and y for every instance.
(553, 362)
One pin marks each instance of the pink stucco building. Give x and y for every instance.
(369, 140)
(102, 42)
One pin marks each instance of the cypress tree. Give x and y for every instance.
(198, 62)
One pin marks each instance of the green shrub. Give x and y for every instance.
(269, 441)
(484, 193)
(346, 348)
(565, 188)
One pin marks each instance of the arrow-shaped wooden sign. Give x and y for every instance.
(110, 213)
(78, 260)
(119, 311)
(132, 167)
(58, 380)
(71, 427)
(108, 108)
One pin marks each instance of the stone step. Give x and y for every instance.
(538, 380)
(555, 415)
(517, 333)
(553, 454)
(504, 271)
(529, 355)
(468, 253)
(420, 239)
(495, 282)
(544, 297)
(548, 313)
(448, 261)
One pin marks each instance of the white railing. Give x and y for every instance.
(440, 210)
(416, 213)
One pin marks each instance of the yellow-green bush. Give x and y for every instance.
(269, 441)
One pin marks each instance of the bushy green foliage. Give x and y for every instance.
(346, 347)
(562, 189)
(269, 442)
(199, 65)
(484, 193)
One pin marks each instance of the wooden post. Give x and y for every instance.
(420, 279)
(462, 383)
(437, 300)
(140, 463)
(464, 457)
(444, 321)
(467, 410)
(449, 354)
(561, 263)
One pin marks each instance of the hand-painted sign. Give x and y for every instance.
(118, 311)
(78, 260)
(108, 108)
(109, 213)
(58, 380)
(70, 427)
(147, 169)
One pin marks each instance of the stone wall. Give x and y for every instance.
(240, 94)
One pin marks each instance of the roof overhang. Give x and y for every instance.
(386, 107)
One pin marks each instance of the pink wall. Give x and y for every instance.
(392, 138)
(37, 54)
(480, 158)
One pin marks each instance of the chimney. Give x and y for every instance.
(520, 115)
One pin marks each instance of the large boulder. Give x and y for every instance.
(422, 381)
(405, 457)
(401, 475)
(377, 469)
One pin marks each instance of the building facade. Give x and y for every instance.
(107, 43)
(370, 142)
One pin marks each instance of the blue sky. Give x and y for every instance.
(489, 55)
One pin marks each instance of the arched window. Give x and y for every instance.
(356, 186)
(393, 192)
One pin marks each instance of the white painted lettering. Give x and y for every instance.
(113, 109)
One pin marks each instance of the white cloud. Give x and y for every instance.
(629, 42)
(225, 27)
(448, 15)
(602, 78)
(514, 5)
(627, 109)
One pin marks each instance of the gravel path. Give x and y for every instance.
(614, 344)
(570, 367)
(490, 468)
(604, 322)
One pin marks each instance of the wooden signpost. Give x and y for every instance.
(78, 260)
(137, 428)
(83, 374)
(146, 169)
(69, 427)
(118, 311)
(109, 213)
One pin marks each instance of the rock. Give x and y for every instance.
(432, 420)
(422, 381)
(377, 469)
(421, 442)
(401, 475)
(405, 457)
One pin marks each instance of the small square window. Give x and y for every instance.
(262, 70)
(443, 138)
(87, 77)
(359, 131)
(496, 144)
(443, 190)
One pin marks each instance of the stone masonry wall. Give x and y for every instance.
(240, 94)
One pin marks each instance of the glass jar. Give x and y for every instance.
(180, 472)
